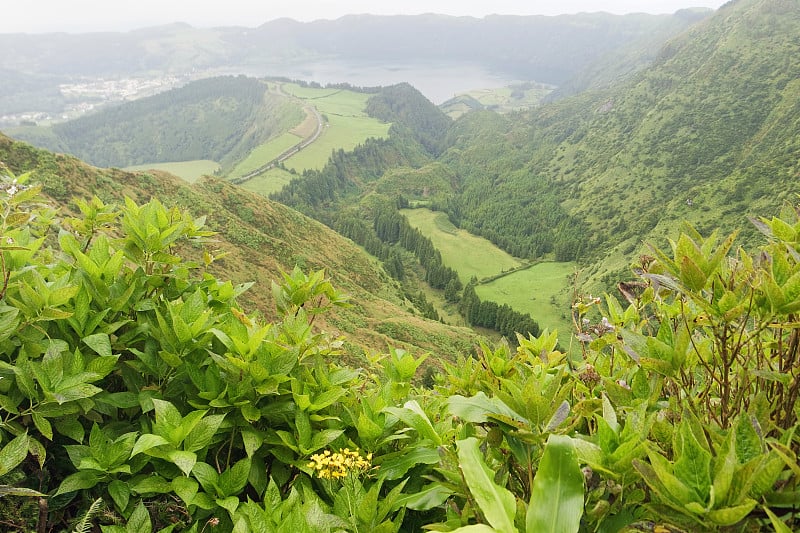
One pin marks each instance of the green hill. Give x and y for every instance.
(221, 119)
(707, 134)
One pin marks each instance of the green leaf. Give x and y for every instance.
(693, 465)
(233, 480)
(100, 343)
(147, 442)
(185, 488)
(139, 522)
(776, 522)
(413, 415)
(252, 441)
(497, 504)
(476, 408)
(13, 454)
(424, 499)
(323, 438)
(183, 460)
(556, 504)
(731, 515)
(85, 479)
(42, 425)
(202, 433)
(395, 465)
(120, 493)
(476, 528)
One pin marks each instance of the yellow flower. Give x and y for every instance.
(328, 465)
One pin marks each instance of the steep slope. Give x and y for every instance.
(708, 134)
(262, 238)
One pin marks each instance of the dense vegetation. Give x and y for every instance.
(137, 395)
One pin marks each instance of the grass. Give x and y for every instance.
(269, 182)
(265, 153)
(347, 124)
(543, 290)
(190, 171)
(341, 132)
(462, 251)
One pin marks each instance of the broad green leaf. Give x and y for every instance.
(139, 522)
(693, 465)
(497, 504)
(426, 498)
(147, 442)
(476, 528)
(233, 480)
(323, 438)
(476, 408)
(183, 460)
(100, 343)
(395, 465)
(776, 522)
(731, 515)
(120, 493)
(412, 414)
(200, 436)
(185, 488)
(252, 441)
(42, 425)
(556, 504)
(85, 479)
(13, 454)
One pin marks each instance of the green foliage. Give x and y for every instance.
(179, 411)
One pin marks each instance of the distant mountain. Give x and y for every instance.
(545, 49)
(262, 238)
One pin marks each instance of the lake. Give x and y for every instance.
(437, 81)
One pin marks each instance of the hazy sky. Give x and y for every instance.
(35, 16)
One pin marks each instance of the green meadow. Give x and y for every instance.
(462, 251)
(347, 124)
(265, 153)
(269, 182)
(543, 289)
(340, 132)
(190, 171)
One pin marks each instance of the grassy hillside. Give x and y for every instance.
(707, 134)
(262, 238)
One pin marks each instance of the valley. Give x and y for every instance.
(344, 301)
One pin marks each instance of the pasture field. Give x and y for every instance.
(345, 132)
(269, 182)
(264, 153)
(347, 124)
(542, 290)
(462, 251)
(190, 171)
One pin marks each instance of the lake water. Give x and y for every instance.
(437, 81)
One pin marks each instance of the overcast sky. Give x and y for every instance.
(36, 16)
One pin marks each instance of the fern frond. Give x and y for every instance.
(85, 524)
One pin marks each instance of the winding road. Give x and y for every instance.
(289, 152)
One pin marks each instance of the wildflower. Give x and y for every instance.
(327, 465)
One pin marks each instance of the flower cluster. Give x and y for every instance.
(338, 465)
